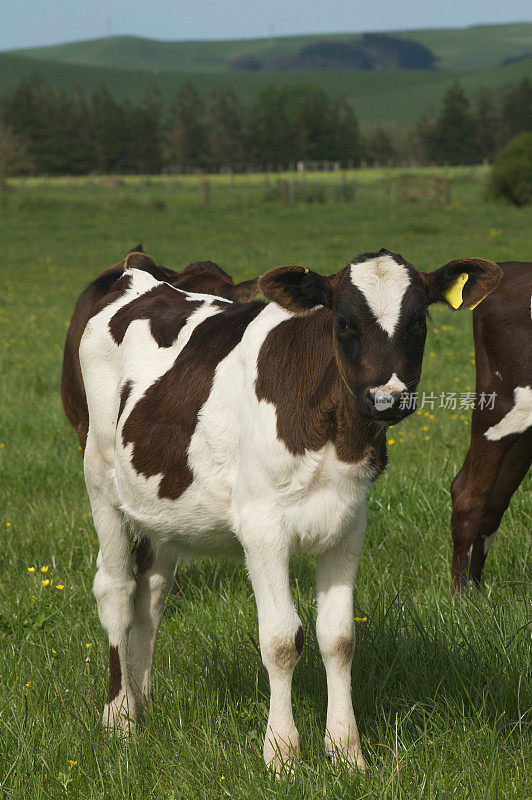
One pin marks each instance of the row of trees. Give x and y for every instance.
(465, 133)
(67, 133)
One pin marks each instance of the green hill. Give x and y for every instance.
(458, 49)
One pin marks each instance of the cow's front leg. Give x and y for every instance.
(281, 642)
(336, 572)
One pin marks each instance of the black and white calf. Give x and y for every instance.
(222, 429)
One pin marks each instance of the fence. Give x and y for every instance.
(398, 190)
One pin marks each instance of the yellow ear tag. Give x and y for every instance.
(453, 295)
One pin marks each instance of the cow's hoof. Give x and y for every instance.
(349, 757)
(119, 717)
(281, 754)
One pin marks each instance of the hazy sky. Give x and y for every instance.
(27, 23)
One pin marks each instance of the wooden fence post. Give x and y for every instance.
(285, 193)
(205, 191)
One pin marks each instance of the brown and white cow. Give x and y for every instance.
(222, 429)
(200, 276)
(500, 452)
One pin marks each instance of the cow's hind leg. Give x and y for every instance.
(280, 635)
(114, 587)
(470, 492)
(512, 470)
(154, 575)
(335, 577)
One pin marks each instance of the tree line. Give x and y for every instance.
(56, 132)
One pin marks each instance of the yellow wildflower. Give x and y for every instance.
(45, 569)
(361, 619)
(89, 644)
(8, 524)
(46, 582)
(60, 586)
(72, 763)
(31, 569)
(391, 441)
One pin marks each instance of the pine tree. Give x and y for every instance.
(454, 135)
(146, 133)
(224, 126)
(269, 136)
(309, 113)
(485, 116)
(186, 128)
(108, 133)
(516, 111)
(346, 141)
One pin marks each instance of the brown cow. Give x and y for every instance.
(204, 277)
(500, 451)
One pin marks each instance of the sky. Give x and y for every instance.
(30, 23)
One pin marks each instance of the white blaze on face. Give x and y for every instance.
(383, 283)
(517, 420)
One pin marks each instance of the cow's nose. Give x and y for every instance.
(383, 399)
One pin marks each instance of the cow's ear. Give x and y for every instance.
(463, 283)
(245, 292)
(296, 288)
(138, 249)
(138, 260)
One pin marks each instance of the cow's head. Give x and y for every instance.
(379, 306)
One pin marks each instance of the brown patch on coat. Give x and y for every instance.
(125, 391)
(166, 309)
(168, 411)
(143, 554)
(299, 640)
(115, 674)
(344, 648)
(297, 372)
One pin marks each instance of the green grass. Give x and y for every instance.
(441, 688)
(476, 47)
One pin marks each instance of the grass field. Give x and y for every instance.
(441, 687)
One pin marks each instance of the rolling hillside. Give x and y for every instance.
(458, 49)
(129, 66)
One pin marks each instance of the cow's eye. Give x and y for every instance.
(342, 324)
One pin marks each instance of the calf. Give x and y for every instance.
(221, 429)
(201, 276)
(500, 451)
